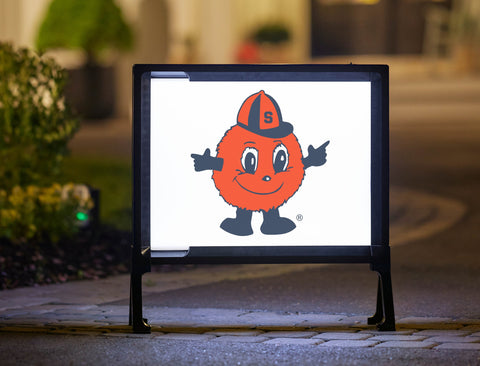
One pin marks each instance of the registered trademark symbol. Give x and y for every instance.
(299, 217)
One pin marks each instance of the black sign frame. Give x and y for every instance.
(377, 254)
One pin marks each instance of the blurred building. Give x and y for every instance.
(370, 26)
(229, 31)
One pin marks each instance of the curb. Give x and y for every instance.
(238, 326)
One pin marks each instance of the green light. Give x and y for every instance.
(82, 216)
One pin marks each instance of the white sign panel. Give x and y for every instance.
(259, 163)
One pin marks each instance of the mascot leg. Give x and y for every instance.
(274, 224)
(241, 225)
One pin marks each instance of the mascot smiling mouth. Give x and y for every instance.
(263, 194)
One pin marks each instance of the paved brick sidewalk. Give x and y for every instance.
(84, 307)
(239, 326)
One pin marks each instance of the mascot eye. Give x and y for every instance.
(280, 158)
(250, 160)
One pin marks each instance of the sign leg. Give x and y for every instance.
(378, 316)
(140, 265)
(136, 319)
(388, 323)
(384, 316)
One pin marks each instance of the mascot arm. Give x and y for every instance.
(316, 157)
(206, 162)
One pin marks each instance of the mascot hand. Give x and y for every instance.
(316, 157)
(206, 162)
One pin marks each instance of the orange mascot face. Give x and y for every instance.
(259, 173)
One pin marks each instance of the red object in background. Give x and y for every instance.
(248, 53)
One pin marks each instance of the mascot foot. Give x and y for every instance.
(273, 224)
(241, 225)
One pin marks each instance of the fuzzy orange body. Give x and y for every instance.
(258, 173)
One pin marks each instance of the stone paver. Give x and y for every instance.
(395, 337)
(407, 344)
(442, 332)
(138, 335)
(473, 328)
(323, 320)
(427, 323)
(235, 332)
(120, 335)
(337, 329)
(239, 326)
(293, 334)
(90, 323)
(453, 339)
(284, 328)
(348, 343)
(388, 332)
(186, 337)
(353, 321)
(343, 336)
(294, 341)
(469, 322)
(241, 339)
(183, 330)
(465, 346)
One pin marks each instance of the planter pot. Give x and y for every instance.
(466, 57)
(275, 53)
(90, 90)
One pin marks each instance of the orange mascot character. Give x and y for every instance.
(259, 166)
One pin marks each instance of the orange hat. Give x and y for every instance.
(261, 114)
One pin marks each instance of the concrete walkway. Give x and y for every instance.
(91, 308)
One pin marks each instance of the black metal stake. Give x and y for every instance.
(385, 279)
(378, 316)
(136, 319)
(384, 316)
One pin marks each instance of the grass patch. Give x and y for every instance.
(113, 177)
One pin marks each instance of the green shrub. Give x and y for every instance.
(35, 127)
(35, 122)
(113, 178)
(42, 215)
(273, 33)
(94, 26)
